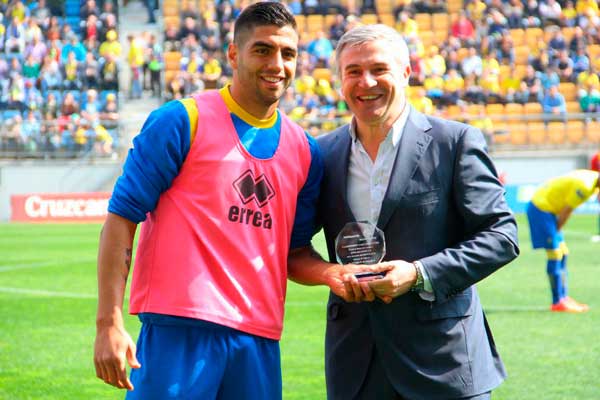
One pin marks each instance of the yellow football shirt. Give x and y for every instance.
(570, 190)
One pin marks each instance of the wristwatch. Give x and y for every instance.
(419, 283)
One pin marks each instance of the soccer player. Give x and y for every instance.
(222, 181)
(595, 166)
(547, 212)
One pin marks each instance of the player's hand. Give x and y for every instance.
(344, 284)
(400, 279)
(112, 347)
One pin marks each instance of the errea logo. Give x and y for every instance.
(248, 189)
(257, 189)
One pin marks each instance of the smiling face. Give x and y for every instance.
(374, 81)
(263, 65)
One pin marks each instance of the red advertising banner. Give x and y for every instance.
(59, 207)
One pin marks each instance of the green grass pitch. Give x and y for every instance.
(48, 304)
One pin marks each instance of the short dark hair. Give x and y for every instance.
(260, 14)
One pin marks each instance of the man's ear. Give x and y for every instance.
(406, 75)
(232, 52)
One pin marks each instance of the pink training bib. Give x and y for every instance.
(216, 246)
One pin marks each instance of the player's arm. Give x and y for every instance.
(152, 164)
(576, 196)
(305, 265)
(562, 217)
(157, 155)
(113, 344)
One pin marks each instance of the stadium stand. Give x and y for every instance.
(58, 91)
(507, 36)
(489, 63)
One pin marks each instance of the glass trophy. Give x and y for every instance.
(360, 243)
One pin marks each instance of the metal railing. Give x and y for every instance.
(58, 140)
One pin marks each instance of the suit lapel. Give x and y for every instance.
(339, 161)
(411, 148)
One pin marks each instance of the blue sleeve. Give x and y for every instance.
(306, 208)
(562, 103)
(546, 106)
(154, 161)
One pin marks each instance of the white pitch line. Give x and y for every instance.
(43, 264)
(579, 233)
(46, 293)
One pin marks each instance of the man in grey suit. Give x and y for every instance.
(430, 186)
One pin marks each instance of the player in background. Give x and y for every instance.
(547, 212)
(595, 166)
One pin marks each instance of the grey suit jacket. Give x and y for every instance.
(444, 207)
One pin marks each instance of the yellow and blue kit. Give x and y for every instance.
(194, 353)
(569, 190)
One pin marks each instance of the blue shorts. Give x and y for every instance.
(542, 226)
(191, 359)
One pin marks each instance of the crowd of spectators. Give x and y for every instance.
(475, 61)
(58, 83)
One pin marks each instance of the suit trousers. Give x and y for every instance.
(377, 385)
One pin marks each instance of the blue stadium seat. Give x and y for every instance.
(74, 22)
(8, 114)
(10, 56)
(71, 9)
